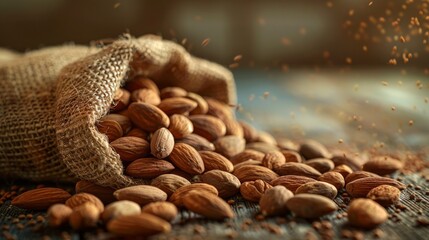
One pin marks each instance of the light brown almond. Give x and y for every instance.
(84, 216)
(291, 182)
(137, 132)
(273, 160)
(202, 106)
(384, 195)
(172, 92)
(299, 169)
(187, 158)
(249, 132)
(358, 175)
(124, 121)
(383, 165)
(361, 187)
(320, 188)
(105, 194)
(265, 137)
(111, 128)
(219, 109)
(229, 146)
(233, 127)
(180, 126)
(141, 194)
(252, 172)
(148, 168)
(121, 100)
(253, 190)
(141, 82)
(226, 184)
(286, 144)
(311, 205)
(311, 149)
(262, 147)
(40, 198)
(292, 156)
(177, 197)
(81, 198)
(248, 162)
(147, 116)
(208, 127)
(120, 208)
(347, 158)
(273, 201)
(366, 213)
(58, 215)
(169, 183)
(161, 143)
(321, 164)
(334, 178)
(343, 170)
(177, 105)
(143, 224)
(197, 142)
(164, 210)
(145, 95)
(131, 148)
(208, 205)
(213, 160)
(247, 154)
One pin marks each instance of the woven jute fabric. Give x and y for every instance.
(51, 100)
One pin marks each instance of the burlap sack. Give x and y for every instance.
(51, 99)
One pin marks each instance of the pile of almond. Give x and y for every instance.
(195, 154)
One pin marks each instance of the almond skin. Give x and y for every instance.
(311, 205)
(233, 127)
(247, 154)
(145, 95)
(311, 149)
(384, 195)
(148, 168)
(213, 161)
(141, 82)
(321, 164)
(273, 201)
(173, 92)
(105, 194)
(121, 100)
(147, 117)
(58, 215)
(291, 182)
(249, 132)
(197, 142)
(81, 198)
(383, 165)
(273, 160)
(334, 178)
(229, 146)
(161, 143)
(143, 224)
(177, 105)
(177, 197)
(137, 132)
(292, 156)
(300, 169)
(164, 210)
(219, 109)
(366, 213)
(361, 187)
(141, 194)
(84, 216)
(202, 106)
(187, 159)
(358, 175)
(252, 172)
(40, 198)
(208, 205)
(343, 169)
(169, 183)
(131, 148)
(120, 208)
(124, 121)
(111, 128)
(262, 147)
(226, 184)
(253, 190)
(180, 126)
(209, 127)
(319, 188)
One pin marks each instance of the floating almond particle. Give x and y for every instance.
(366, 213)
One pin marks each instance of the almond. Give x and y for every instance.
(249, 132)
(273, 201)
(147, 116)
(105, 194)
(253, 190)
(148, 168)
(208, 205)
(219, 109)
(286, 144)
(177, 197)
(169, 183)
(334, 178)
(311, 205)
(177, 105)
(84, 216)
(292, 156)
(266, 138)
(121, 100)
(111, 128)
(180, 126)
(319, 188)
(141, 82)
(262, 147)
(187, 158)
(141, 194)
(358, 175)
(233, 127)
(384, 195)
(40, 198)
(252, 172)
(161, 143)
(197, 142)
(124, 121)
(145, 95)
(81, 198)
(120, 208)
(164, 210)
(229, 146)
(131, 148)
(58, 215)
(343, 170)
(383, 165)
(214, 161)
(247, 154)
(291, 182)
(143, 224)
(312, 149)
(248, 162)
(321, 164)
(366, 213)
(273, 160)
(137, 132)
(208, 127)
(299, 169)
(202, 106)
(172, 92)
(361, 187)
(349, 159)
(226, 184)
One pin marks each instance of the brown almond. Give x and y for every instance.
(40, 198)
(265, 137)
(137, 132)
(219, 109)
(81, 198)
(124, 121)
(300, 169)
(349, 159)
(252, 172)
(164, 210)
(145, 95)
(141, 82)
(383, 165)
(343, 170)
(141, 194)
(213, 160)
(229, 146)
(321, 164)
(262, 147)
(248, 162)
(197, 142)
(253, 190)
(169, 183)
(273, 201)
(147, 116)
(361, 187)
(180, 126)
(233, 127)
(177, 197)
(172, 92)
(273, 160)
(249, 132)
(148, 168)
(111, 128)
(334, 178)
(84, 216)
(226, 184)
(247, 154)
(208, 205)
(311, 149)
(121, 99)
(286, 144)
(202, 106)
(320, 188)
(58, 215)
(105, 194)
(208, 127)
(384, 195)
(358, 175)
(311, 205)
(161, 143)
(120, 208)
(291, 182)
(143, 224)
(131, 148)
(187, 158)
(366, 213)
(292, 156)
(177, 105)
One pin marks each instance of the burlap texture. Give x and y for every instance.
(51, 99)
